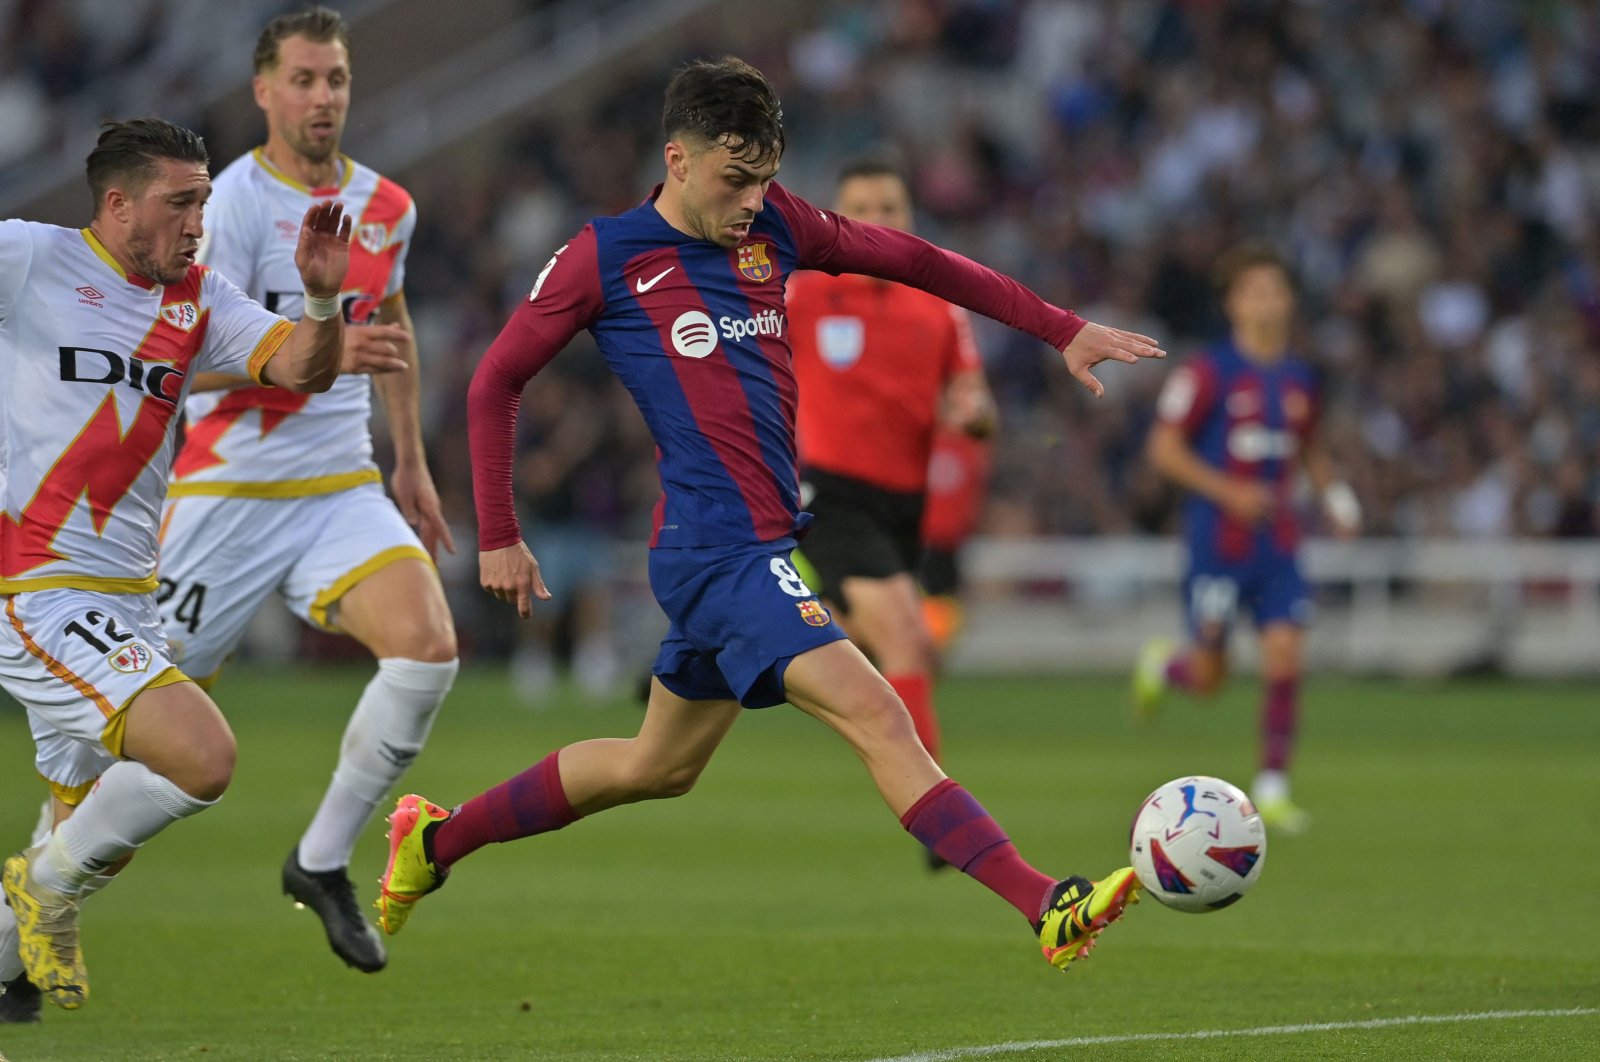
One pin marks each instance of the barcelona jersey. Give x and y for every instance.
(1249, 420)
(699, 334)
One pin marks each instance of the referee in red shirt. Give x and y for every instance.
(880, 367)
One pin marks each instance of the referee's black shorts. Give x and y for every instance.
(859, 530)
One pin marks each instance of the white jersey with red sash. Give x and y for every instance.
(96, 364)
(262, 443)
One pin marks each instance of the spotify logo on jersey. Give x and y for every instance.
(694, 335)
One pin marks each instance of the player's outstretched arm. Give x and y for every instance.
(511, 574)
(1096, 343)
(839, 245)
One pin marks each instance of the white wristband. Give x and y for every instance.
(1342, 504)
(322, 307)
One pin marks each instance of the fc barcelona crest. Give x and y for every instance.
(813, 613)
(754, 263)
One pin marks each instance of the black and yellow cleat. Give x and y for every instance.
(47, 934)
(1078, 910)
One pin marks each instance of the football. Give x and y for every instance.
(1197, 844)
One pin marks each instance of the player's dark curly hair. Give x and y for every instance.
(127, 152)
(729, 101)
(317, 24)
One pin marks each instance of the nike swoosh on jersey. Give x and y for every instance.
(641, 285)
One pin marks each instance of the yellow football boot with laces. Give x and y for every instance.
(412, 872)
(1078, 910)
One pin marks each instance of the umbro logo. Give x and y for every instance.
(91, 296)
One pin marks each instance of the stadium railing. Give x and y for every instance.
(1403, 606)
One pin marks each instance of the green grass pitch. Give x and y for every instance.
(779, 912)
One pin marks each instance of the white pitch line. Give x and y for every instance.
(1013, 1047)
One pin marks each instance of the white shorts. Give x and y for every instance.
(222, 557)
(75, 659)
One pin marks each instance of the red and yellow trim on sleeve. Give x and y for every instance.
(326, 599)
(56, 667)
(275, 337)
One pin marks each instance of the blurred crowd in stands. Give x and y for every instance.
(1430, 167)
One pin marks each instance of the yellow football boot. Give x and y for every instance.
(1079, 909)
(47, 933)
(411, 873)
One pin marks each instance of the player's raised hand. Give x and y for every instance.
(323, 253)
(1096, 343)
(511, 574)
(413, 490)
(373, 350)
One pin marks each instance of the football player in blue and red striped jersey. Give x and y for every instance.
(1235, 425)
(685, 296)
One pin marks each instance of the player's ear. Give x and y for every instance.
(259, 89)
(115, 204)
(676, 155)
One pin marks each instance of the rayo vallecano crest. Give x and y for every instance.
(754, 263)
(373, 236)
(181, 315)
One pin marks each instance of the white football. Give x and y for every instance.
(1197, 844)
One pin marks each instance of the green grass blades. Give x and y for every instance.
(779, 912)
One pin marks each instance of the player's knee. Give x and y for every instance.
(209, 769)
(431, 643)
(665, 781)
(881, 718)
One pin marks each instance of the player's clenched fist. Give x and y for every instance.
(511, 574)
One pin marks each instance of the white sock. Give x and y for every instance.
(386, 731)
(130, 805)
(10, 961)
(46, 823)
(1270, 786)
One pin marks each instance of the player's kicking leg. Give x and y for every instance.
(674, 744)
(837, 685)
(399, 613)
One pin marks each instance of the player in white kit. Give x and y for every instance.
(101, 331)
(275, 493)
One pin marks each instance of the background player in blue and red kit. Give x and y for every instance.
(879, 365)
(1235, 425)
(685, 297)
